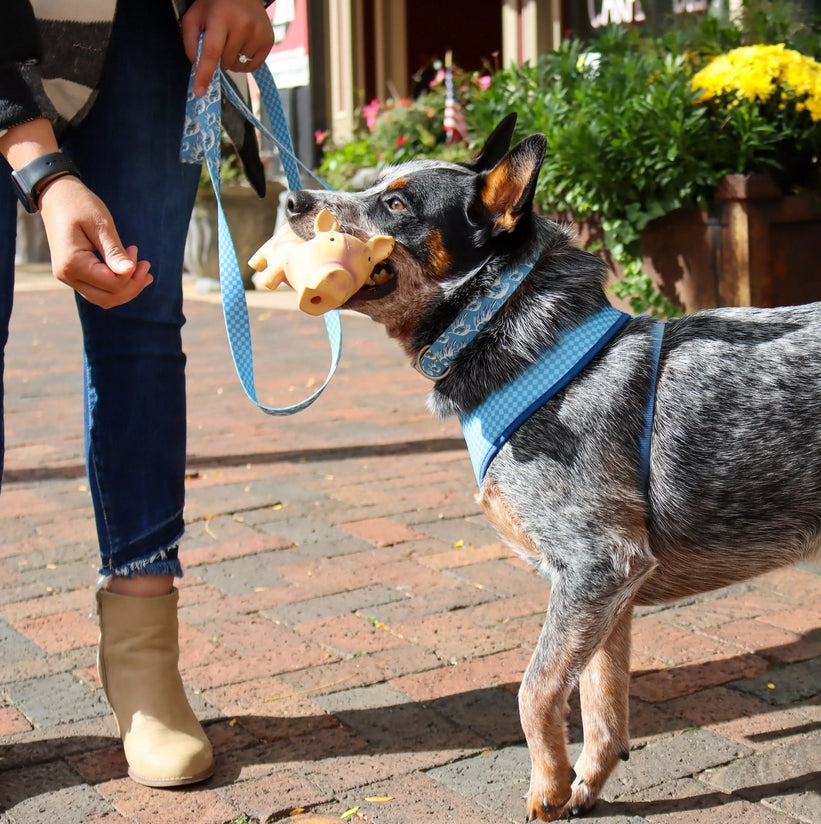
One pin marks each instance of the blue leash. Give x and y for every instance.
(201, 141)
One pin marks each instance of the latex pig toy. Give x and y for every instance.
(324, 271)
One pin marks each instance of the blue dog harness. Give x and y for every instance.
(488, 427)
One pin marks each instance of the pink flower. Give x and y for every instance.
(321, 136)
(484, 82)
(371, 111)
(400, 141)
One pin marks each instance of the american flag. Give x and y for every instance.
(456, 129)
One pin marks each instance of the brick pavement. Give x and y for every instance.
(353, 633)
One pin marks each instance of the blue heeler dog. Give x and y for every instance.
(669, 460)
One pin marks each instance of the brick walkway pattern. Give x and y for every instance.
(353, 632)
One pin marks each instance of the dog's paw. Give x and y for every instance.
(548, 801)
(582, 799)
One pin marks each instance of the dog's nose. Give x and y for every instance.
(300, 202)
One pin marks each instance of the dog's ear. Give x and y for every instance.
(507, 190)
(495, 146)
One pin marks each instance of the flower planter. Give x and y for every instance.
(251, 220)
(754, 247)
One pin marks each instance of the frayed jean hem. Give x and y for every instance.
(162, 562)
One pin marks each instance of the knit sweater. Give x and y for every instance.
(51, 67)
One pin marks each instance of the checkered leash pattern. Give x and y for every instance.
(201, 140)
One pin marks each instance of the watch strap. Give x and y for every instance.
(31, 180)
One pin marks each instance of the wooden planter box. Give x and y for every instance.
(755, 247)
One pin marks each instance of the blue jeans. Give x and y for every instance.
(127, 149)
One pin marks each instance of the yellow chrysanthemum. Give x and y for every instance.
(758, 73)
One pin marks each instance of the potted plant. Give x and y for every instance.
(698, 193)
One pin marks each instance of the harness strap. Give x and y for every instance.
(488, 427)
(650, 408)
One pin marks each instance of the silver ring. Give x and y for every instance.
(243, 58)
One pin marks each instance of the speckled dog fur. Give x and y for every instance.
(735, 460)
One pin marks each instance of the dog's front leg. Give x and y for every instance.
(604, 687)
(585, 609)
(543, 712)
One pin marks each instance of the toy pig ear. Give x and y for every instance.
(380, 247)
(325, 222)
(507, 189)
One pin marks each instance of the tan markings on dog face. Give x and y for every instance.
(440, 259)
(399, 183)
(507, 523)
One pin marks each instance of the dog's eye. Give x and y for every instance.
(395, 204)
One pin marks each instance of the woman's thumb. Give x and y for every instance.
(117, 258)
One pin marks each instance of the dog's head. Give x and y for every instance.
(448, 219)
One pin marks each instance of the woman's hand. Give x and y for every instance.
(233, 28)
(80, 231)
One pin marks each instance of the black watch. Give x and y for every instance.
(30, 181)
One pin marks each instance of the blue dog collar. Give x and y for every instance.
(487, 427)
(434, 361)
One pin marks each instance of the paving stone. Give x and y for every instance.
(57, 699)
(195, 804)
(416, 798)
(350, 635)
(389, 720)
(28, 669)
(666, 684)
(445, 596)
(382, 531)
(775, 775)
(241, 574)
(273, 797)
(39, 746)
(673, 757)
(497, 779)
(12, 721)
(63, 631)
(744, 717)
(337, 604)
(15, 646)
(49, 792)
(785, 685)
(688, 801)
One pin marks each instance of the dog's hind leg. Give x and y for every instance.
(604, 688)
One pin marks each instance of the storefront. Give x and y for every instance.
(334, 56)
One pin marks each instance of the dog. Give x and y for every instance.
(673, 462)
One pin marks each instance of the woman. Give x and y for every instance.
(94, 146)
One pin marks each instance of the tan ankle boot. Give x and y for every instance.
(165, 746)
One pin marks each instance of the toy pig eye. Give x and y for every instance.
(395, 205)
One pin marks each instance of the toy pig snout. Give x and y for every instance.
(326, 288)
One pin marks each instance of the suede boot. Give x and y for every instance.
(165, 746)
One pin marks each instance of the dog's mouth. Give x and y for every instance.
(381, 283)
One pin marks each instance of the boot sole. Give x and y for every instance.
(180, 781)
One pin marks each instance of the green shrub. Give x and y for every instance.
(631, 135)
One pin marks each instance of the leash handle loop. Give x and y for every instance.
(201, 141)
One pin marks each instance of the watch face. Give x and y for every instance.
(23, 193)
